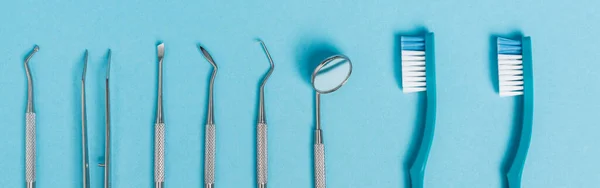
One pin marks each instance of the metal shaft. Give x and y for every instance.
(318, 135)
(106, 163)
(84, 139)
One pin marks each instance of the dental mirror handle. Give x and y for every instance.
(261, 155)
(319, 163)
(30, 149)
(209, 156)
(159, 155)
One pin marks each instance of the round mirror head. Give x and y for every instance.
(331, 74)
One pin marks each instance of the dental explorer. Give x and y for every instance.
(159, 127)
(210, 134)
(30, 126)
(261, 128)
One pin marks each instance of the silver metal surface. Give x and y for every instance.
(319, 166)
(319, 147)
(261, 128)
(210, 116)
(159, 185)
(84, 138)
(159, 129)
(30, 133)
(30, 185)
(30, 80)
(209, 185)
(107, 121)
(106, 163)
(261, 111)
(210, 133)
(30, 147)
(261, 185)
(159, 105)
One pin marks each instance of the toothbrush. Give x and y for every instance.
(417, 57)
(515, 77)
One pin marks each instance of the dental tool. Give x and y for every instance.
(159, 127)
(84, 137)
(210, 134)
(261, 128)
(30, 134)
(106, 163)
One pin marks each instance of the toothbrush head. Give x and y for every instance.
(510, 67)
(413, 64)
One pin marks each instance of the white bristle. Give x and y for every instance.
(510, 72)
(413, 71)
(413, 63)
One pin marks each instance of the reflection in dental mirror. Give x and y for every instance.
(331, 74)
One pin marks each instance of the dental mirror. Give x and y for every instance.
(328, 77)
(331, 74)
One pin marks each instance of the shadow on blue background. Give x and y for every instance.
(417, 135)
(517, 124)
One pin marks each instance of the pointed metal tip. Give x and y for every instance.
(36, 48)
(85, 61)
(108, 63)
(259, 40)
(208, 57)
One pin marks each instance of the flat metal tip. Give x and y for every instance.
(161, 50)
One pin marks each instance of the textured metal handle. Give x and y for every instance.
(209, 155)
(261, 153)
(319, 166)
(30, 148)
(159, 152)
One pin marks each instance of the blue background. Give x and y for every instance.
(371, 127)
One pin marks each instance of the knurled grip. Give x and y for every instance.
(261, 153)
(209, 154)
(319, 166)
(30, 147)
(159, 152)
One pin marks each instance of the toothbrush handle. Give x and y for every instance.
(30, 150)
(209, 156)
(159, 155)
(417, 170)
(261, 155)
(319, 165)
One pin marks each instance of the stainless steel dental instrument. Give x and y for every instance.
(106, 163)
(30, 126)
(84, 138)
(328, 77)
(261, 128)
(159, 127)
(210, 134)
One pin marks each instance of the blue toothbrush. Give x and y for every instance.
(417, 56)
(515, 78)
